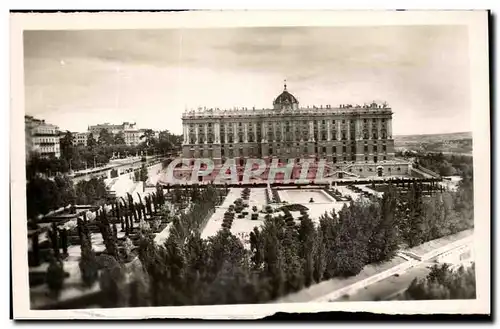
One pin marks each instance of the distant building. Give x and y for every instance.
(111, 128)
(133, 136)
(80, 138)
(41, 138)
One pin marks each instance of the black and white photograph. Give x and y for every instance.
(274, 165)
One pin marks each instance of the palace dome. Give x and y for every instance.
(285, 99)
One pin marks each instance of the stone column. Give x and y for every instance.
(245, 132)
(379, 127)
(217, 133)
(358, 128)
(274, 132)
(329, 132)
(235, 132)
(226, 126)
(339, 135)
(255, 132)
(263, 130)
(389, 128)
(196, 131)
(370, 129)
(311, 131)
(348, 129)
(206, 133)
(185, 133)
(318, 125)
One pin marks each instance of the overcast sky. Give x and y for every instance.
(77, 78)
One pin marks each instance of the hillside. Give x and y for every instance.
(447, 143)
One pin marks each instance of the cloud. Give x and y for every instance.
(421, 70)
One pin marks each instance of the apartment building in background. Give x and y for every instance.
(41, 138)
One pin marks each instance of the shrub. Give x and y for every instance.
(55, 276)
(255, 216)
(244, 213)
(254, 209)
(114, 173)
(241, 216)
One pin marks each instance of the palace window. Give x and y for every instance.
(384, 148)
(366, 148)
(334, 160)
(344, 149)
(375, 148)
(324, 149)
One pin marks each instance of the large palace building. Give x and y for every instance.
(350, 138)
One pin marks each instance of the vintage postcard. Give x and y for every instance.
(226, 165)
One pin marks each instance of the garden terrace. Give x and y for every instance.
(98, 226)
(336, 195)
(292, 183)
(403, 187)
(276, 197)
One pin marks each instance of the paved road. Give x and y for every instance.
(136, 164)
(390, 288)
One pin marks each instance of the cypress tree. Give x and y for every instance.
(35, 248)
(64, 241)
(89, 268)
(55, 276)
(54, 240)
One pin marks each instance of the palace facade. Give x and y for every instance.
(350, 138)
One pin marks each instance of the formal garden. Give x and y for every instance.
(76, 252)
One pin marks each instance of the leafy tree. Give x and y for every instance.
(119, 139)
(91, 142)
(66, 145)
(105, 138)
(444, 283)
